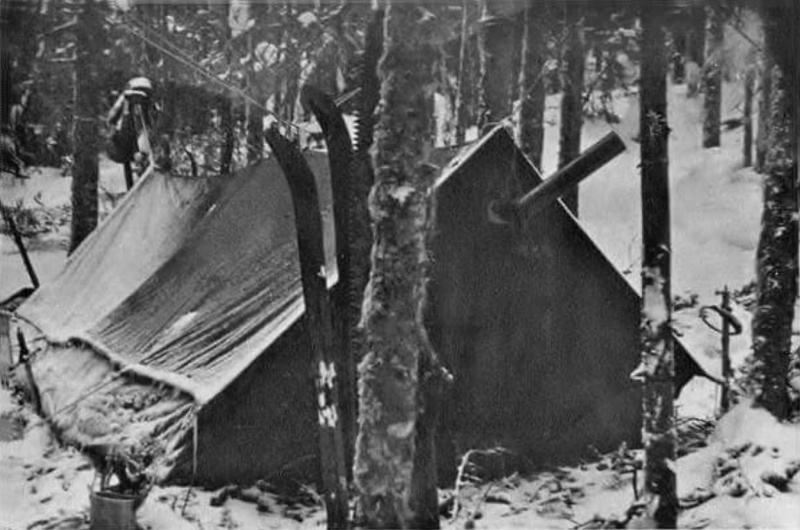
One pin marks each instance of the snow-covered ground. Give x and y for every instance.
(46, 486)
(746, 477)
(716, 208)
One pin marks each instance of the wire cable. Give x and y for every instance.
(182, 57)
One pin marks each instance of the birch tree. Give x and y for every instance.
(764, 92)
(394, 468)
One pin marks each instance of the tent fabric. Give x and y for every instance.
(537, 326)
(103, 410)
(146, 228)
(184, 285)
(187, 278)
(177, 326)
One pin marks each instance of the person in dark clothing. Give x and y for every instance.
(130, 120)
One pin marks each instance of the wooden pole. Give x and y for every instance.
(319, 323)
(17, 237)
(726, 346)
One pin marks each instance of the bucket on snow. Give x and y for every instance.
(114, 511)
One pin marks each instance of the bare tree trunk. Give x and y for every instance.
(530, 126)
(765, 91)
(292, 89)
(255, 134)
(254, 120)
(697, 34)
(5, 64)
(777, 260)
(747, 118)
(712, 78)
(396, 488)
(85, 127)
(228, 136)
(518, 29)
(496, 47)
(657, 365)
(292, 67)
(460, 110)
(572, 98)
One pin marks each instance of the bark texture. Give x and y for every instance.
(228, 136)
(496, 48)
(5, 64)
(394, 490)
(362, 177)
(569, 146)
(85, 125)
(747, 111)
(777, 261)
(530, 126)
(657, 366)
(254, 117)
(255, 134)
(764, 93)
(712, 78)
(463, 58)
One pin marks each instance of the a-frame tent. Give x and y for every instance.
(177, 328)
(538, 327)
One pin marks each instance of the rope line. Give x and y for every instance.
(89, 393)
(140, 30)
(175, 49)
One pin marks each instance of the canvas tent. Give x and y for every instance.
(538, 327)
(184, 288)
(177, 325)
